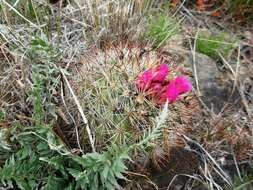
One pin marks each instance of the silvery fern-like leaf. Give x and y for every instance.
(3, 142)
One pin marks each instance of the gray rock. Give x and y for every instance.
(214, 85)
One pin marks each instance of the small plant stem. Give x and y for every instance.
(237, 167)
(178, 9)
(236, 70)
(193, 50)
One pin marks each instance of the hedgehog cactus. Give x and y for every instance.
(122, 90)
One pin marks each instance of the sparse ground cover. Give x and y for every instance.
(126, 94)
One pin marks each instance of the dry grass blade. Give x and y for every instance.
(113, 19)
(237, 82)
(81, 112)
(193, 51)
(189, 176)
(72, 118)
(18, 13)
(219, 170)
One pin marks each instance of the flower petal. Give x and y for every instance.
(144, 79)
(160, 72)
(183, 84)
(155, 88)
(176, 87)
(172, 91)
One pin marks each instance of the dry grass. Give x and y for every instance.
(114, 19)
(14, 84)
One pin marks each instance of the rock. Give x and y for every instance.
(215, 86)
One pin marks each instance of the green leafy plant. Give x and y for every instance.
(45, 74)
(162, 27)
(42, 161)
(212, 45)
(5, 147)
(38, 139)
(24, 167)
(101, 171)
(2, 115)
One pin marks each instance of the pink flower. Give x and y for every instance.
(171, 92)
(155, 88)
(160, 72)
(175, 87)
(157, 74)
(153, 81)
(144, 79)
(183, 84)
